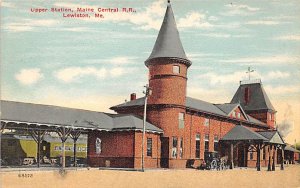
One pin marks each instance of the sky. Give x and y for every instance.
(92, 63)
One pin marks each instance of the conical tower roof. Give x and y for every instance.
(168, 44)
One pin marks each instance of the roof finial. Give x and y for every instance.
(249, 72)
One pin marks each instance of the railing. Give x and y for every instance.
(243, 82)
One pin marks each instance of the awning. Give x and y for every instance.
(273, 137)
(242, 133)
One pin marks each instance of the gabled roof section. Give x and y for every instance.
(291, 148)
(272, 136)
(195, 104)
(258, 98)
(129, 121)
(54, 115)
(228, 108)
(203, 106)
(168, 43)
(256, 121)
(240, 133)
(132, 103)
(69, 117)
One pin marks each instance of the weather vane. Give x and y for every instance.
(249, 72)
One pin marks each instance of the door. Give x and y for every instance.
(164, 158)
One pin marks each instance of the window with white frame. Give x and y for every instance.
(239, 115)
(176, 69)
(181, 120)
(181, 148)
(216, 143)
(206, 122)
(206, 142)
(174, 147)
(197, 154)
(149, 147)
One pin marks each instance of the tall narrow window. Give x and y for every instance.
(216, 143)
(239, 115)
(176, 69)
(181, 148)
(251, 155)
(206, 142)
(247, 95)
(174, 147)
(206, 122)
(197, 154)
(181, 120)
(149, 147)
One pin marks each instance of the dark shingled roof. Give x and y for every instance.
(168, 42)
(258, 98)
(203, 106)
(193, 103)
(290, 148)
(227, 108)
(239, 133)
(62, 116)
(272, 136)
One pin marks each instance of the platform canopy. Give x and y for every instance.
(242, 133)
(273, 137)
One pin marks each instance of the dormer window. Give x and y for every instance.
(233, 114)
(176, 69)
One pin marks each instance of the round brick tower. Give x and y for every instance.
(168, 66)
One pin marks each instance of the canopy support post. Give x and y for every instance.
(258, 157)
(38, 136)
(282, 158)
(63, 133)
(231, 156)
(75, 135)
(273, 162)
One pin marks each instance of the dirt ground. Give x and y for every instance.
(290, 178)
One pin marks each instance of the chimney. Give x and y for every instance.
(132, 96)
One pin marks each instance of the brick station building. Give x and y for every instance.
(188, 127)
(180, 130)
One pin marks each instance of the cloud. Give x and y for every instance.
(29, 25)
(288, 37)
(72, 74)
(116, 72)
(8, 5)
(121, 60)
(215, 78)
(194, 19)
(209, 95)
(283, 89)
(239, 9)
(149, 18)
(276, 59)
(117, 61)
(29, 76)
(262, 22)
(222, 35)
(277, 75)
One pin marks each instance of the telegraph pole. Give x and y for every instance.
(147, 93)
